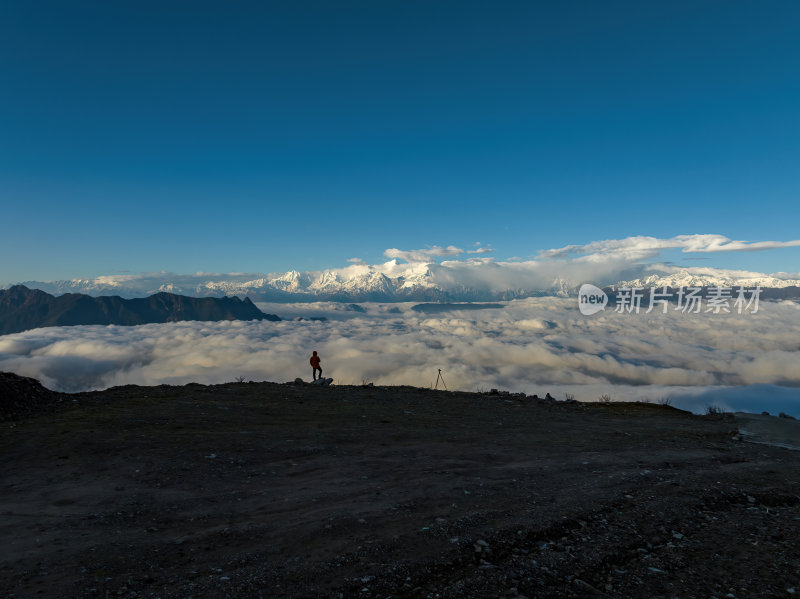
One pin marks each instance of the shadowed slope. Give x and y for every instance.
(22, 309)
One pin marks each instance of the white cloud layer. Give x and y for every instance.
(536, 346)
(641, 247)
(425, 255)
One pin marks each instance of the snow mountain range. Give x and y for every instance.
(393, 281)
(686, 278)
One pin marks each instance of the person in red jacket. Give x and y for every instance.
(315, 366)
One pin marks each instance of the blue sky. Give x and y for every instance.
(258, 137)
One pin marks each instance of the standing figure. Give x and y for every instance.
(315, 366)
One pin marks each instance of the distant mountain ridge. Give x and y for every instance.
(393, 282)
(390, 282)
(685, 278)
(22, 309)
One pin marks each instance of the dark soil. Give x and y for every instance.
(267, 490)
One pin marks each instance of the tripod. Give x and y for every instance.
(440, 378)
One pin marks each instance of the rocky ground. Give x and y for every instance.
(21, 396)
(267, 490)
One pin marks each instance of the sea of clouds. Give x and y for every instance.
(748, 362)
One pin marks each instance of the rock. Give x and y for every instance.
(581, 584)
(783, 415)
(482, 549)
(298, 381)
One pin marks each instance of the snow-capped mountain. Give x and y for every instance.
(290, 282)
(710, 278)
(393, 281)
(357, 283)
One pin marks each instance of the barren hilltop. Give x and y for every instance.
(293, 490)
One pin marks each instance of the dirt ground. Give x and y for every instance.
(267, 490)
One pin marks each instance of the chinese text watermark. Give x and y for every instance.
(688, 300)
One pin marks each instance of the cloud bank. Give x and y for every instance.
(641, 247)
(536, 345)
(425, 255)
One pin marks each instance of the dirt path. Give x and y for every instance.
(248, 490)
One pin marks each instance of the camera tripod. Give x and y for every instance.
(440, 378)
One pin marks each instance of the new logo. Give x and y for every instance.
(591, 299)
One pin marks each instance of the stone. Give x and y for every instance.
(585, 586)
(482, 547)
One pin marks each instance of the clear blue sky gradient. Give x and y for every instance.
(263, 136)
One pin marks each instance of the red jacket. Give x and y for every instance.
(314, 361)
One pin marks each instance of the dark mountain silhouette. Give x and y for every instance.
(22, 309)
